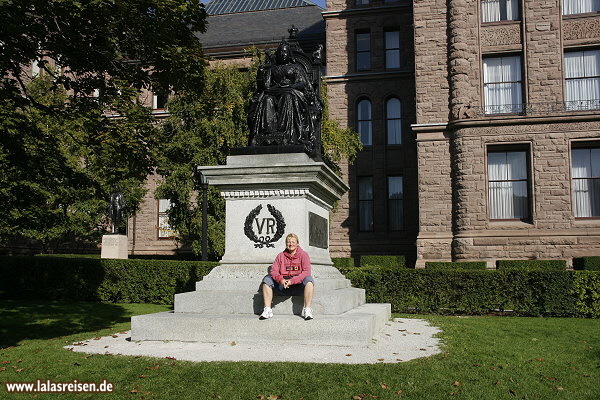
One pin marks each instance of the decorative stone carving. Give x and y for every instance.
(584, 28)
(500, 35)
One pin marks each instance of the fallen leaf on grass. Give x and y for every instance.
(560, 388)
(512, 392)
(261, 397)
(97, 338)
(136, 390)
(398, 392)
(115, 336)
(551, 378)
(539, 359)
(19, 360)
(123, 332)
(456, 383)
(170, 358)
(155, 367)
(2, 368)
(384, 386)
(20, 370)
(5, 362)
(77, 364)
(477, 365)
(350, 384)
(274, 397)
(215, 396)
(142, 376)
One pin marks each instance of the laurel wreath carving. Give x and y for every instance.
(264, 241)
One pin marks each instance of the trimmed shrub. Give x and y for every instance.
(343, 264)
(95, 279)
(532, 293)
(532, 265)
(587, 263)
(382, 261)
(455, 265)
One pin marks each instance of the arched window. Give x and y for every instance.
(364, 122)
(393, 117)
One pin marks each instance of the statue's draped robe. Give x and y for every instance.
(281, 111)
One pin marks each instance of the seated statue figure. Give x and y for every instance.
(283, 107)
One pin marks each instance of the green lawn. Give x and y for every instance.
(484, 358)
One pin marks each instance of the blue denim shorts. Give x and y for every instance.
(294, 290)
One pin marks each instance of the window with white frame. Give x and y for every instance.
(392, 49)
(508, 184)
(165, 231)
(395, 203)
(499, 10)
(571, 7)
(582, 80)
(364, 122)
(159, 101)
(502, 85)
(363, 50)
(393, 117)
(365, 204)
(585, 164)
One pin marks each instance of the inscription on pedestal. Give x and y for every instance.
(317, 231)
(264, 231)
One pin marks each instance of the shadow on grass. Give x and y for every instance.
(21, 319)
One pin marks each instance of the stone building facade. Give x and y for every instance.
(371, 88)
(507, 129)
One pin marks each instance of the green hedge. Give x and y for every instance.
(533, 293)
(455, 265)
(382, 261)
(587, 263)
(94, 279)
(532, 265)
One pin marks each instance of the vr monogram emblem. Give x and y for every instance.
(275, 226)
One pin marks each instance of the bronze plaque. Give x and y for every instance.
(317, 231)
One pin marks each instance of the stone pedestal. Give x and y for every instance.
(267, 197)
(114, 246)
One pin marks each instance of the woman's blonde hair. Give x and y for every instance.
(292, 235)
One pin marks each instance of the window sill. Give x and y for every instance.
(582, 15)
(503, 22)
(510, 223)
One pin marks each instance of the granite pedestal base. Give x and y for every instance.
(268, 196)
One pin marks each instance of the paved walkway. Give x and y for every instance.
(402, 339)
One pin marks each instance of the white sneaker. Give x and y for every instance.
(267, 313)
(303, 313)
(307, 313)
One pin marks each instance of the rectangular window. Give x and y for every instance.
(165, 231)
(159, 101)
(365, 204)
(392, 49)
(580, 6)
(582, 80)
(502, 85)
(585, 162)
(395, 203)
(363, 51)
(508, 184)
(499, 10)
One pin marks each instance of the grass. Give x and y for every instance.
(484, 358)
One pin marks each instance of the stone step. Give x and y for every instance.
(329, 302)
(355, 327)
(253, 285)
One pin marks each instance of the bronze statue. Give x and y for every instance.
(286, 108)
(115, 209)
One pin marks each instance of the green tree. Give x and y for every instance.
(60, 152)
(201, 130)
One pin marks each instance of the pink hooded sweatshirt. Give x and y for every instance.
(297, 266)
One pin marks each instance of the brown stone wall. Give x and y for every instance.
(431, 56)
(345, 87)
(552, 232)
(143, 227)
(543, 51)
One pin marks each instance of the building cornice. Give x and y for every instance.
(366, 10)
(369, 76)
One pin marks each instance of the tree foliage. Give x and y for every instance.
(72, 133)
